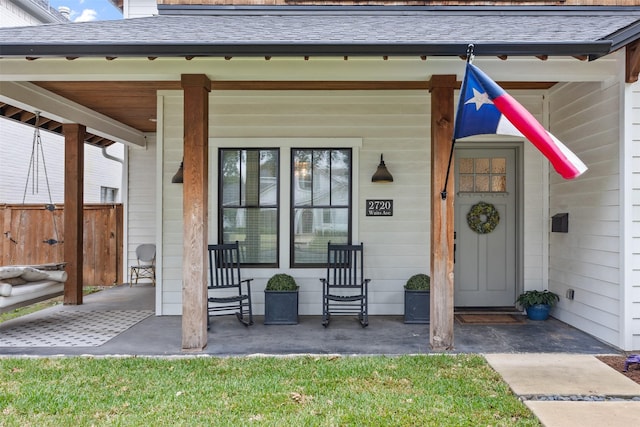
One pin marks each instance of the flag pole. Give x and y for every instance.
(443, 193)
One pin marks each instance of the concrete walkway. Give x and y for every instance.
(565, 390)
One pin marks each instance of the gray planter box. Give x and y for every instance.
(280, 307)
(417, 306)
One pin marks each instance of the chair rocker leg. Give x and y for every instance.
(242, 319)
(325, 319)
(364, 320)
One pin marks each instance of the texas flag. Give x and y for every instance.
(485, 108)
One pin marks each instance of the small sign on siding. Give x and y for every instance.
(379, 207)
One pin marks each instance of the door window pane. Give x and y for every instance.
(499, 183)
(499, 165)
(466, 165)
(466, 183)
(482, 166)
(482, 175)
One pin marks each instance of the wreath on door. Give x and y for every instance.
(483, 218)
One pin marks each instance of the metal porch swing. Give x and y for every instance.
(33, 173)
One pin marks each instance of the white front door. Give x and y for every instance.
(486, 252)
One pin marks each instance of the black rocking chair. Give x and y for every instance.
(344, 290)
(224, 274)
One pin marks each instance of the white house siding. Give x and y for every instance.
(16, 146)
(587, 258)
(12, 15)
(632, 295)
(141, 203)
(396, 123)
(139, 8)
(15, 14)
(534, 215)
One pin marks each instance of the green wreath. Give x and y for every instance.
(483, 218)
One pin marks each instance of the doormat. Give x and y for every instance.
(490, 319)
(70, 328)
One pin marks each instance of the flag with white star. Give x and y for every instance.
(485, 108)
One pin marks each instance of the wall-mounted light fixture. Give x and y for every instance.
(382, 174)
(178, 178)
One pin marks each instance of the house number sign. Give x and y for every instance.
(379, 207)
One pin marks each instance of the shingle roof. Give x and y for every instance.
(408, 31)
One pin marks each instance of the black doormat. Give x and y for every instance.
(490, 319)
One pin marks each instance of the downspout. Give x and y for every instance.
(110, 157)
(123, 179)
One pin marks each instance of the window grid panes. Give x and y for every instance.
(249, 195)
(321, 203)
(108, 194)
(483, 175)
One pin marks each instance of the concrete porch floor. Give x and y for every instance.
(161, 335)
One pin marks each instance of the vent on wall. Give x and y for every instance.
(560, 223)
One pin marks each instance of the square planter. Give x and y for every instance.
(280, 307)
(417, 306)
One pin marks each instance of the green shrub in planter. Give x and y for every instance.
(530, 298)
(417, 299)
(538, 303)
(281, 282)
(418, 282)
(281, 300)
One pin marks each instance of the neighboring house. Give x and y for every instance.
(335, 80)
(103, 173)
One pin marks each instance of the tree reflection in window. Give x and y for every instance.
(248, 199)
(321, 203)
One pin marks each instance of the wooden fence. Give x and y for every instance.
(28, 232)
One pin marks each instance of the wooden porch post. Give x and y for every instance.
(196, 89)
(74, 136)
(442, 116)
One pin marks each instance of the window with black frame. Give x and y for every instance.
(249, 203)
(320, 203)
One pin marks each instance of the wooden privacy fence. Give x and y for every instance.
(27, 229)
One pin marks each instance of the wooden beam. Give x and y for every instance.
(196, 89)
(632, 68)
(441, 324)
(318, 85)
(74, 135)
(31, 97)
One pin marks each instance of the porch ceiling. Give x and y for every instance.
(29, 117)
(133, 103)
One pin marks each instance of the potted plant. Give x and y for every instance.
(281, 300)
(417, 299)
(538, 303)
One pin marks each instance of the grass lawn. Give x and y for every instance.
(434, 390)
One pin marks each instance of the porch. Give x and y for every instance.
(122, 317)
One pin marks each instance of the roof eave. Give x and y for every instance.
(592, 49)
(625, 36)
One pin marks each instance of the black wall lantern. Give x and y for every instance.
(382, 174)
(178, 178)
